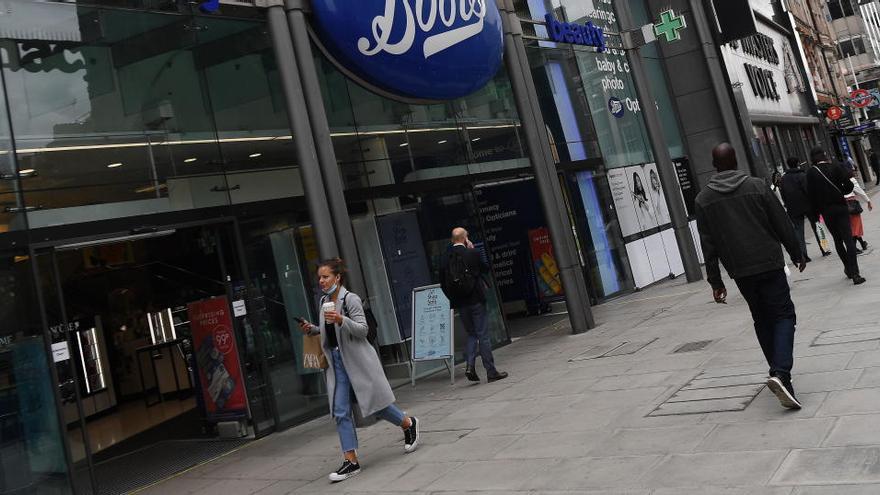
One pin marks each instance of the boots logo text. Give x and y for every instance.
(442, 13)
(415, 49)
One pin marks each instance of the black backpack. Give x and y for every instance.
(460, 281)
(372, 324)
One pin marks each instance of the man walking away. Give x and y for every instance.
(827, 184)
(742, 224)
(797, 202)
(874, 160)
(461, 278)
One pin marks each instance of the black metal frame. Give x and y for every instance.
(52, 238)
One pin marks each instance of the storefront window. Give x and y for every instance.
(381, 142)
(601, 241)
(605, 82)
(145, 111)
(281, 281)
(33, 449)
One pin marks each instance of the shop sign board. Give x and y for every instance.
(844, 146)
(834, 113)
(574, 33)
(220, 376)
(431, 324)
(433, 332)
(670, 26)
(861, 98)
(415, 50)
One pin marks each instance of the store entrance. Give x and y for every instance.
(126, 317)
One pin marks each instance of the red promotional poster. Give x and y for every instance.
(217, 359)
(546, 269)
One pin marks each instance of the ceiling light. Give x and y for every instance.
(442, 141)
(255, 155)
(115, 165)
(27, 171)
(474, 140)
(404, 145)
(190, 160)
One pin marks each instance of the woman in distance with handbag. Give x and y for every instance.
(354, 370)
(854, 202)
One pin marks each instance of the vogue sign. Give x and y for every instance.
(421, 49)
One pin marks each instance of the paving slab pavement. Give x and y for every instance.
(569, 421)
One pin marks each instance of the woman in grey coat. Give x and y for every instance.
(354, 368)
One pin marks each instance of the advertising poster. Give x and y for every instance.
(432, 324)
(507, 223)
(546, 269)
(406, 262)
(598, 228)
(639, 198)
(219, 368)
(689, 189)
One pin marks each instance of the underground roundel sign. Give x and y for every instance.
(418, 49)
(860, 98)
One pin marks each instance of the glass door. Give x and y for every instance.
(62, 338)
(33, 448)
(156, 339)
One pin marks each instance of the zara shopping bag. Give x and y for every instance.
(313, 355)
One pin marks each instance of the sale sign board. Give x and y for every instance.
(546, 270)
(217, 360)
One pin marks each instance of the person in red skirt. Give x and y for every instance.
(854, 201)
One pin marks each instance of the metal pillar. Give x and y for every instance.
(677, 212)
(333, 185)
(313, 183)
(577, 298)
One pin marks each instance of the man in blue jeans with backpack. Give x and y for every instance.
(461, 278)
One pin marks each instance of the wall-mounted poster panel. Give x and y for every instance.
(639, 198)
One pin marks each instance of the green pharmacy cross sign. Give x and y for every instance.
(669, 26)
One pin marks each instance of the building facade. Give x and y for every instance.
(158, 235)
(770, 85)
(817, 42)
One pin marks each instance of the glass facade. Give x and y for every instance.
(149, 153)
(33, 456)
(142, 111)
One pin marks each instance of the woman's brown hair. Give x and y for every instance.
(336, 266)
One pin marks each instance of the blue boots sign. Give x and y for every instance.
(416, 49)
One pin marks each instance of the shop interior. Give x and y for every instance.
(121, 304)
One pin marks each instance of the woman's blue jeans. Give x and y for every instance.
(342, 412)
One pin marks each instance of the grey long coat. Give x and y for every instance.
(358, 356)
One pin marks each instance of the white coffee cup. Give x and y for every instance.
(328, 307)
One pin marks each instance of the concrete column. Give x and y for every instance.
(317, 116)
(686, 247)
(576, 296)
(313, 182)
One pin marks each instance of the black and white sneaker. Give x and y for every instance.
(411, 436)
(783, 391)
(345, 472)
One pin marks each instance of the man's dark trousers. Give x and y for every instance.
(838, 223)
(769, 300)
(474, 318)
(798, 221)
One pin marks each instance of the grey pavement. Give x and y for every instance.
(617, 411)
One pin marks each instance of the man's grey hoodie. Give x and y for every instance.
(742, 224)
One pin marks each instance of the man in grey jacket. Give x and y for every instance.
(742, 224)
